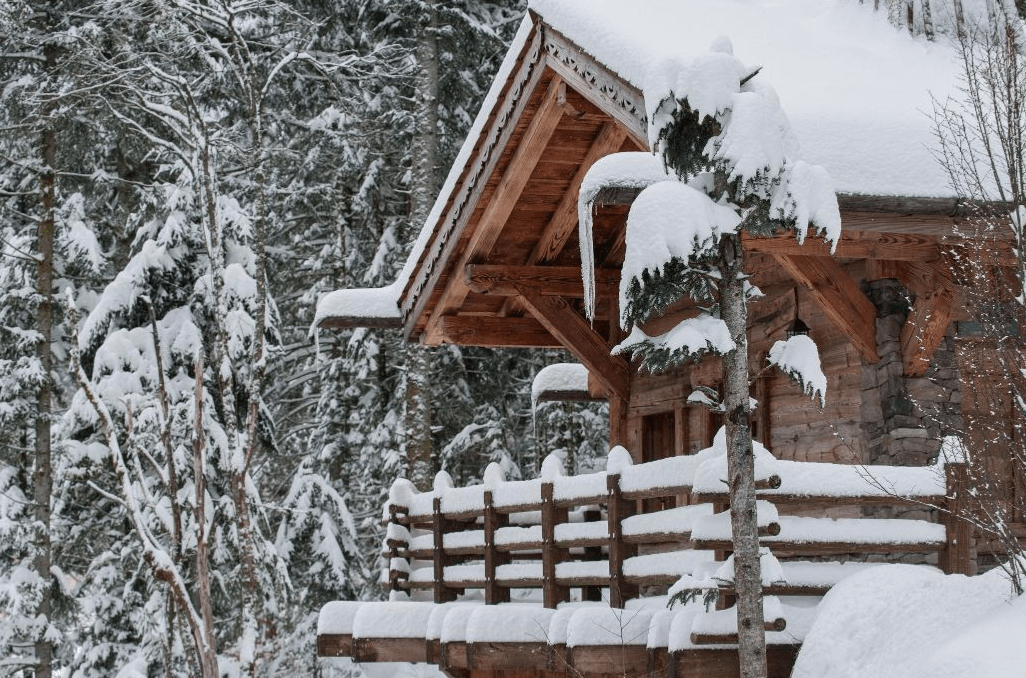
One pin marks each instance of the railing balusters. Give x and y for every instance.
(493, 520)
(552, 592)
(617, 509)
(439, 525)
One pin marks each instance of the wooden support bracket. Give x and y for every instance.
(839, 297)
(574, 333)
(924, 330)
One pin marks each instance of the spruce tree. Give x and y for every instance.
(720, 129)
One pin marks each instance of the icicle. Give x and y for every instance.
(585, 220)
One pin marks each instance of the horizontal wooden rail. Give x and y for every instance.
(493, 547)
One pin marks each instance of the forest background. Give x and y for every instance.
(187, 472)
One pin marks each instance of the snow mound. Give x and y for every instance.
(902, 621)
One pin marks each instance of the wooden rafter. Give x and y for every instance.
(574, 333)
(496, 332)
(839, 297)
(511, 185)
(503, 280)
(564, 220)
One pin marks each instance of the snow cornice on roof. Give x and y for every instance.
(857, 90)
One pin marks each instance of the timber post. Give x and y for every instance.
(442, 593)
(618, 508)
(397, 577)
(592, 553)
(552, 592)
(493, 520)
(958, 527)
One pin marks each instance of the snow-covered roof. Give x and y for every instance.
(856, 89)
(858, 92)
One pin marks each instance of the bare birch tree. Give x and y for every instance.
(982, 143)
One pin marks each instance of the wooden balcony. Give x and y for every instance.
(563, 575)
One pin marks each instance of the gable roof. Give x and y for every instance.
(857, 90)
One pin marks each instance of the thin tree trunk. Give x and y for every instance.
(43, 472)
(206, 642)
(425, 184)
(741, 466)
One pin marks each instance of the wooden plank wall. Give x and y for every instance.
(798, 428)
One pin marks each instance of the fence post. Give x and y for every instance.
(442, 594)
(493, 520)
(957, 524)
(397, 577)
(552, 592)
(618, 508)
(592, 553)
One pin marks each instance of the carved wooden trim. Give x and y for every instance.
(598, 84)
(472, 183)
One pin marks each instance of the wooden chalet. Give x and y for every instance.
(498, 264)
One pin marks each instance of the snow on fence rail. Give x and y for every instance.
(557, 532)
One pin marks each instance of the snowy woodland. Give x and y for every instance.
(187, 473)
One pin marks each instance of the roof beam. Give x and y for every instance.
(578, 337)
(840, 298)
(852, 245)
(496, 332)
(509, 281)
(499, 208)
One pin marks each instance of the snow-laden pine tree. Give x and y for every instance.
(176, 350)
(721, 131)
(47, 243)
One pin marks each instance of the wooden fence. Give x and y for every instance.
(585, 531)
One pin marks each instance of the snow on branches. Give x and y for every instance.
(798, 358)
(729, 164)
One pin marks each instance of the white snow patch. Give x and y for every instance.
(617, 170)
(902, 621)
(337, 617)
(609, 626)
(841, 71)
(798, 357)
(392, 619)
(509, 623)
(571, 377)
(670, 220)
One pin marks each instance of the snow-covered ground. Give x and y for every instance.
(900, 621)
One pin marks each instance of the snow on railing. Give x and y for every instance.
(556, 532)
